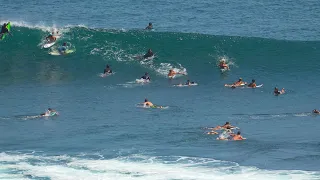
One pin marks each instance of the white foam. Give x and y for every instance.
(135, 167)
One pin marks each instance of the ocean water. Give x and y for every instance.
(101, 133)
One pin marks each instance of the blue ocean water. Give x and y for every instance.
(101, 133)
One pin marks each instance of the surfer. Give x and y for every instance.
(148, 54)
(51, 38)
(149, 27)
(223, 65)
(147, 103)
(237, 137)
(236, 84)
(253, 84)
(107, 70)
(4, 29)
(315, 111)
(239, 82)
(227, 125)
(172, 73)
(62, 49)
(146, 77)
(277, 92)
(48, 112)
(225, 135)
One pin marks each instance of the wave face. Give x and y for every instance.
(24, 60)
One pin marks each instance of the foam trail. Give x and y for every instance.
(22, 166)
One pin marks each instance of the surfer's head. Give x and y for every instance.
(146, 73)
(240, 79)
(227, 123)
(64, 44)
(107, 66)
(253, 80)
(4, 24)
(146, 100)
(238, 133)
(150, 24)
(49, 109)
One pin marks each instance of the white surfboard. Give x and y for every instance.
(57, 53)
(48, 45)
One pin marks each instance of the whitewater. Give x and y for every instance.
(101, 132)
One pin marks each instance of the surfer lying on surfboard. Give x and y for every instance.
(5, 29)
(172, 73)
(315, 111)
(236, 84)
(229, 135)
(49, 112)
(149, 104)
(253, 84)
(277, 92)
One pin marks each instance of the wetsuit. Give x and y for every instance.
(149, 54)
(107, 70)
(146, 77)
(4, 29)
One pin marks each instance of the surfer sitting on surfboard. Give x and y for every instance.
(223, 65)
(107, 70)
(149, 27)
(148, 54)
(277, 92)
(253, 84)
(4, 29)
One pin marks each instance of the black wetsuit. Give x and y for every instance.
(149, 54)
(146, 77)
(107, 70)
(4, 29)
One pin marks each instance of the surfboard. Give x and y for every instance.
(152, 107)
(51, 114)
(233, 86)
(105, 75)
(142, 81)
(9, 29)
(48, 45)
(184, 85)
(57, 53)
